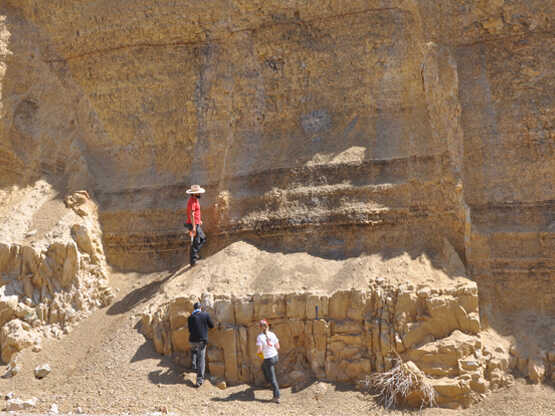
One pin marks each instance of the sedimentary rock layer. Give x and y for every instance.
(345, 336)
(330, 127)
(295, 115)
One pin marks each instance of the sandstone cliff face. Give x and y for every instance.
(332, 127)
(403, 116)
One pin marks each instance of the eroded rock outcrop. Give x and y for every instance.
(356, 332)
(52, 281)
(342, 335)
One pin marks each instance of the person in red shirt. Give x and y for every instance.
(194, 222)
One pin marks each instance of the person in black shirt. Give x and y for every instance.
(198, 323)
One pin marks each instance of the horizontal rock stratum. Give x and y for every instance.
(343, 130)
(401, 122)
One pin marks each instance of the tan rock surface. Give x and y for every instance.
(49, 278)
(371, 131)
(377, 311)
(107, 356)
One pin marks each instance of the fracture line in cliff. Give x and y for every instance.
(196, 42)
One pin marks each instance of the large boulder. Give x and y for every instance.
(15, 336)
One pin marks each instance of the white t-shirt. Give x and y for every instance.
(268, 344)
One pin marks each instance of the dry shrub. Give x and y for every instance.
(403, 384)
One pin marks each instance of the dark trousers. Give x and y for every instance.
(198, 357)
(268, 368)
(196, 244)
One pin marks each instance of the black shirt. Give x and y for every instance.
(198, 326)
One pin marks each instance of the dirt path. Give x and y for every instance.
(106, 366)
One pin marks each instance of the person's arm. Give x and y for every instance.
(193, 223)
(209, 322)
(259, 346)
(277, 344)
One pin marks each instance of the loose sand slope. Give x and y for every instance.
(242, 268)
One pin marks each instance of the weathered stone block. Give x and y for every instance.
(230, 353)
(224, 312)
(244, 311)
(217, 369)
(536, 371)
(296, 305)
(357, 308)
(4, 257)
(71, 265)
(347, 327)
(339, 304)
(283, 332)
(358, 369)
(179, 310)
(269, 306)
(82, 237)
(214, 354)
(316, 301)
(347, 339)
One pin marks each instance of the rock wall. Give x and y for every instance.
(345, 336)
(332, 127)
(299, 117)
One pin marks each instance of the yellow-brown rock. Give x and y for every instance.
(335, 347)
(51, 278)
(343, 129)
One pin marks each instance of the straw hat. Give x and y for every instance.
(196, 189)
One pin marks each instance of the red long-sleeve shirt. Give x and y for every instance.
(193, 205)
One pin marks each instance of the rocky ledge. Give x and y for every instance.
(336, 333)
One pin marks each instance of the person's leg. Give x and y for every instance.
(272, 374)
(265, 369)
(201, 363)
(196, 244)
(192, 253)
(194, 355)
(201, 240)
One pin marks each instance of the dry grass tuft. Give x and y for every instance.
(403, 383)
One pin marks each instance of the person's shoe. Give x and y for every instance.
(276, 400)
(198, 383)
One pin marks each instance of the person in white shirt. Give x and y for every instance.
(268, 345)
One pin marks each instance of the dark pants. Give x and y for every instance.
(197, 243)
(198, 355)
(268, 368)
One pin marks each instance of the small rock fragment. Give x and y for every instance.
(54, 409)
(13, 367)
(42, 371)
(12, 371)
(19, 404)
(536, 371)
